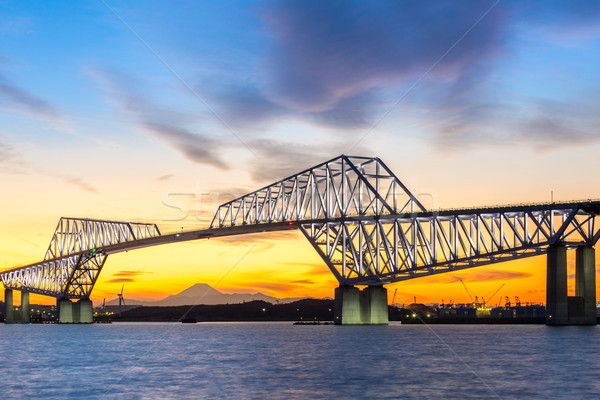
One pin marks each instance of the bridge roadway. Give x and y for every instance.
(368, 228)
(592, 206)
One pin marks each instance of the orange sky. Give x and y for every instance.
(283, 264)
(280, 264)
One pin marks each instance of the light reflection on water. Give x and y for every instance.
(280, 360)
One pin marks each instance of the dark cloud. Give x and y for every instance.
(340, 63)
(345, 63)
(243, 103)
(564, 14)
(326, 52)
(246, 104)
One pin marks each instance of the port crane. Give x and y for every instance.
(467, 290)
(493, 294)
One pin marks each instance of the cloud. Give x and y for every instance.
(328, 52)
(165, 177)
(126, 276)
(129, 273)
(120, 280)
(197, 148)
(480, 275)
(266, 238)
(243, 104)
(160, 122)
(304, 282)
(547, 125)
(280, 159)
(343, 64)
(79, 182)
(27, 100)
(11, 159)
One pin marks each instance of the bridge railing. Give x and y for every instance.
(343, 186)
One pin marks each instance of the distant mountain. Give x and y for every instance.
(201, 293)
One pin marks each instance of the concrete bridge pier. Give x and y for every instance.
(79, 312)
(562, 309)
(360, 307)
(25, 317)
(12, 317)
(9, 310)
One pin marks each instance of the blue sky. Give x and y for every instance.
(186, 74)
(106, 107)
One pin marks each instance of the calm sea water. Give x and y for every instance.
(280, 360)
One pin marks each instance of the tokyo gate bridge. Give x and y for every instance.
(365, 224)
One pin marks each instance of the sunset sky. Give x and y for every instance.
(158, 111)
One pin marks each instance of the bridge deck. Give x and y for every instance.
(587, 206)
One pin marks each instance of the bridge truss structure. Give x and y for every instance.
(75, 258)
(366, 225)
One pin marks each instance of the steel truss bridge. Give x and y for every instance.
(366, 225)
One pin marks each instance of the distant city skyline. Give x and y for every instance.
(156, 112)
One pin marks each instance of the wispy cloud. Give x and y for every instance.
(165, 178)
(79, 182)
(127, 273)
(11, 159)
(22, 98)
(280, 158)
(120, 280)
(197, 148)
(160, 122)
(125, 276)
(480, 275)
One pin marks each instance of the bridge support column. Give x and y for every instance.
(557, 309)
(346, 310)
(65, 311)
(9, 310)
(24, 317)
(355, 307)
(585, 283)
(75, 313)
(562, 309)
(86, 315)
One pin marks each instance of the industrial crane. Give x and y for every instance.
(493, 294)
(465, 286)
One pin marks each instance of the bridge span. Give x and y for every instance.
(366, 225)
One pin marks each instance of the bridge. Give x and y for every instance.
(366, 225)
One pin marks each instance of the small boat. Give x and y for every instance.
(188, 321)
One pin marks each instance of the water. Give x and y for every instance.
(280, 360)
